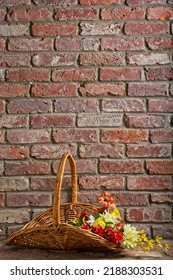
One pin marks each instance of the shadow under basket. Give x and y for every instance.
(50, 229)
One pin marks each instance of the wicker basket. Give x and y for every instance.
(50, 230)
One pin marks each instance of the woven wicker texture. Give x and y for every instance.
(51, 230)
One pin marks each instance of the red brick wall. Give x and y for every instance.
(92, 77)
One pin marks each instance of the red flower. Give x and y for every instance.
(114, 236)
(98, 230)
(85, 227)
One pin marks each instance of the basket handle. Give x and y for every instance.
(58, 185)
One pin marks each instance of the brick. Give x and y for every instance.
(100, 28)
(146, 28)
(51, 151)
(1, 167)
(27, 75)
(101, 59)
(76, 105)
(51, 121)
(91, 120)
(14, 184)
(166, 231)
(162, 198)
(8, 60)
(2, 200)
(122, 105)
(148, 58)
(101, 150)
(53, 90)
(124, 136)
(120, 74)
(149, 214)
(159, 74)
(130, 199)
(90, 44)
(124, 13)
(68, 44)
(88, 166)
(76, 14)
(102, 89)
(54, 29)
(75, 135)
(2, 75)
(2, 136)
(171, 90)
(122, 44)
(88, 197)
(48, 184)
(30, 44)
(146, 2)
(2, 44)
(121, 166)
(111, 182)
(99, 2)
(28, 136)
(159, 166)
(43, 184)
(160, 43)
(149, 183)
(161, 105)
(15, 2)
(29, 106)
(146, 121)
(54, 2)
(2, 14)
(80, 74)
(27, 199)
(155, 151)
(27, 167)
(14, 152)
(54, 59)
(163, 13)
(13, 121)
(17, 29)
(147, 89)
(161, 136)
(17, 216)
(13, 90)
(2, 106)
(29, 14)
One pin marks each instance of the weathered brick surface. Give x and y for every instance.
(27, 199)
(14, 152)
(29, 14)
(30, 44)
(93, 77)
(160, 166)
(75, 135)
(149, 183)
(102, 89)
(122, 44)
(150, 214)
(97, 182)
(53, 90)
(101, 150)
(124, 136)
(28, 136)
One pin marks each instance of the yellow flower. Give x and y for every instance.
(166, 247)
(116, 213)
(99, 222)
(130, 237)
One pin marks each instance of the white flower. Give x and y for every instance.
(130, 237)
(91, 220)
